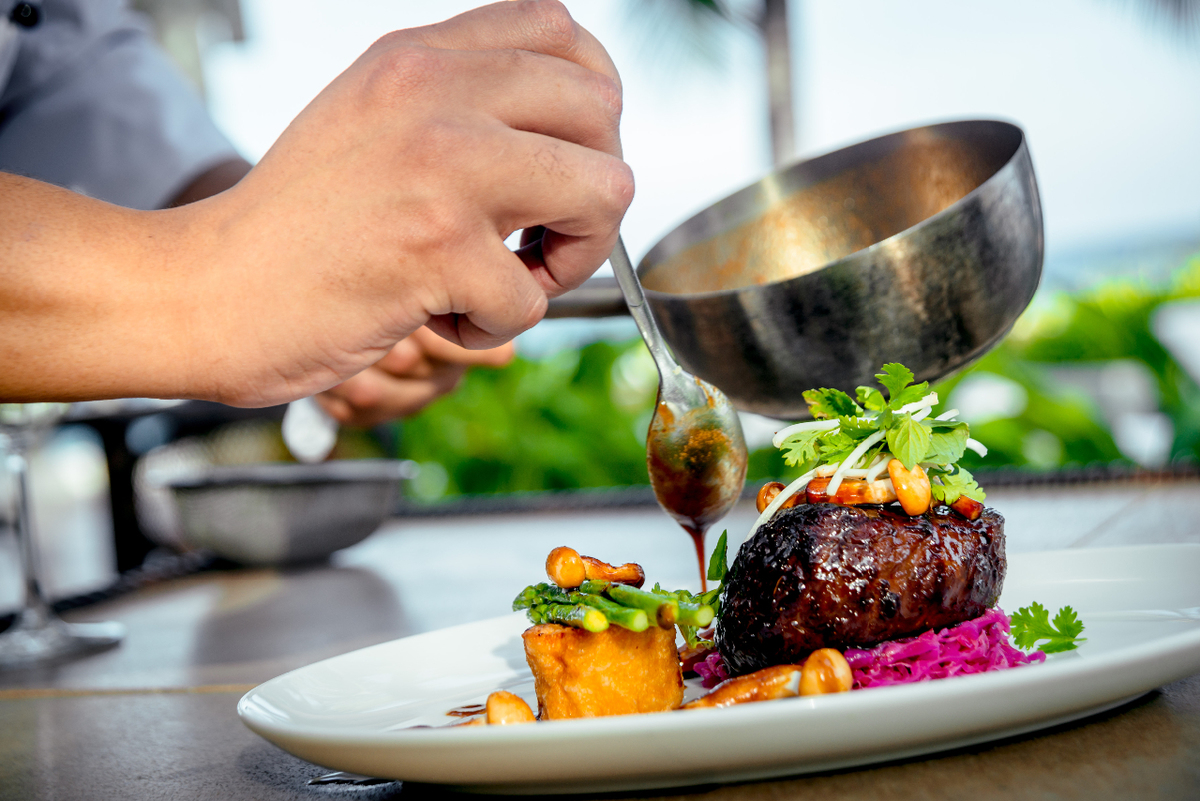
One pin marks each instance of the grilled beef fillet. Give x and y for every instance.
(828, 576)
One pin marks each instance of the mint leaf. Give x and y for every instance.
(1031, 624)
(908, 441)
(825, 404)
(968, 485)
(717, 562)
(894, 378)
(801, 448)
(948, 486)
(946, 444)
(870, 399)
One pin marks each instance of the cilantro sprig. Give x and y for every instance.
(1031, 624)
(898, 426)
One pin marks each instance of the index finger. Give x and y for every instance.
(542, 26)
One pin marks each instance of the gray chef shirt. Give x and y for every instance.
(89, 102)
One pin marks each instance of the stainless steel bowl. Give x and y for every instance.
(921, 247)
(276, 514)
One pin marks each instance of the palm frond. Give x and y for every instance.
(675, 33)
(1185, 13)
(1177, 18)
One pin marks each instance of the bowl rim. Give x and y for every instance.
(284, 474)
(658, 254)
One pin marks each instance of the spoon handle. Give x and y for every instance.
(635, 298)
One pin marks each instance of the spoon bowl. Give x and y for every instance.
(696, 455)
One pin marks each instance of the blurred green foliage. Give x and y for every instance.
(1114, 321)
(574, 419)
(578, 418)
(1056, 427)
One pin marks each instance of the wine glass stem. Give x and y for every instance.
(18, 468)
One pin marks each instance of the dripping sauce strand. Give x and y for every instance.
(697, 535)
(680, 494)
(692, 482)
(688, 498)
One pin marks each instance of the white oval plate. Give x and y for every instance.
(355, 712)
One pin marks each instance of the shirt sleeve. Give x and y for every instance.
(94, 106)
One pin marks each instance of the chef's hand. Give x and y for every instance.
(417, 371)
(384, 207)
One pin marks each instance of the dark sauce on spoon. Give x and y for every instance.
(694, 469)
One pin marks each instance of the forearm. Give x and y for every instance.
(93, 298)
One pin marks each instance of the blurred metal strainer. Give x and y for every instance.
(278, 514)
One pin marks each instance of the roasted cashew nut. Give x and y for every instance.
(768, 493)
(912, 487)
(505, 708)
(826, 671)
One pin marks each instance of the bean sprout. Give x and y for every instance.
(780, 500)
(879, 466)
(926, 402)
(811, 425)
(852, 460)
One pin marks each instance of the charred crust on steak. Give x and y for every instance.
(829, 576)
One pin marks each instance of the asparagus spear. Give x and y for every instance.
(696, 616)
(541, 594)
(577, 615)
(664, 609)
(619, 604)
(623, 616)
(695, 611)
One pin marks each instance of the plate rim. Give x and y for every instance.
(1164, 659)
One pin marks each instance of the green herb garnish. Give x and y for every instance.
(867, 431)
(1030, 624)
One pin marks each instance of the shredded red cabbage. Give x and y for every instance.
(712, 670)
(976, 646)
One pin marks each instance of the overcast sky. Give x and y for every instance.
(1110, 100)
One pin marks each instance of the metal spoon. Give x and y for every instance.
(308, 431)
(695, 450)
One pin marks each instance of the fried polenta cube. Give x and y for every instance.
(584, 674)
